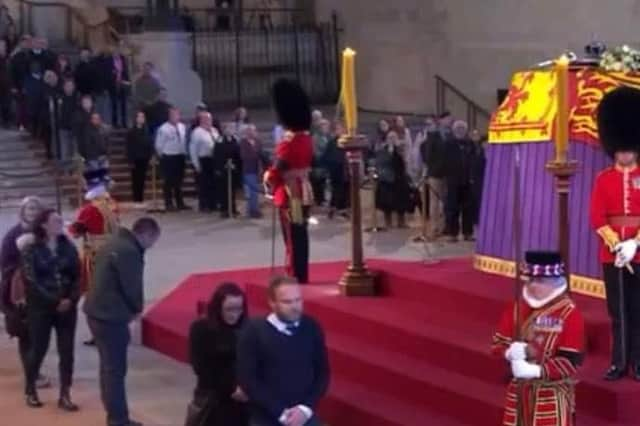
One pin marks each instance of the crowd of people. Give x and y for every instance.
(263, 371)
(442, 156)
(64, 104)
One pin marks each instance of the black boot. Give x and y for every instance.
(636, 372)
(32, 399)
(65, 403)
(615, 373)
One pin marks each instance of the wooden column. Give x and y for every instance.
(562, 173)
(357, 280)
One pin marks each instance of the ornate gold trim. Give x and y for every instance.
(579, 284)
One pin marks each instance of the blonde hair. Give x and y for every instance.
(32, 199)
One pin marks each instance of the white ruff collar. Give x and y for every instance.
(536, 303)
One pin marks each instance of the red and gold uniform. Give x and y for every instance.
(555, 334)
(289, 180)
(95, 223)
(615, 208)
(615, 216)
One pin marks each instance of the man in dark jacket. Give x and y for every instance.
(19, 71)
(85, 74)
(459, 159)
(227, 163)
(282, 361)
(433, 152)
(67, 105)
(117, 299)
(94, 144)
(115, 72)
(158, 112)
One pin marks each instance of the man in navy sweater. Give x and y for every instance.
(282, 361)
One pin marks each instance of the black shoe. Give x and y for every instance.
(224, 215)
(90, 342)
(614, 373)
(636, 372)
(185, 207)
(33, 401)
(170, 208)
(65, 403)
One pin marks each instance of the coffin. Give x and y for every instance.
(525, 122)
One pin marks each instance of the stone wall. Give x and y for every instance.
(475, 44)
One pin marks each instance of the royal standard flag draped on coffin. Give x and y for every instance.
(528, 112)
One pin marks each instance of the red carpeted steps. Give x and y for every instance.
(419, 354)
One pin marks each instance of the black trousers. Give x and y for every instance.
(339, 190)
(41, 323)
(118, 98)
(222, 192)
(459, 202)
(138, 178)
(318, 185)
(206, 185)
(296, 240)
(173, 176)
(624, 314)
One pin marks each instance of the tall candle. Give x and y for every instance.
(562, 114)
(349, 90)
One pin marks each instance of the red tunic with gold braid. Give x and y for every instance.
(289, 174)
(554, 333)
(95, 223)
(615, 208)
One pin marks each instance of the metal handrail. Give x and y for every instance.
(474, 110)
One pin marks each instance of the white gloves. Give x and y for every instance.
(625, 252)
(517, 352)
(525, 370)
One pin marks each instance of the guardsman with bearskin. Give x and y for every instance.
(95, 222)
(288, 177)
(615, 215)
(544, 356)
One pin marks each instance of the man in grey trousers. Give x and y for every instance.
(117, 299)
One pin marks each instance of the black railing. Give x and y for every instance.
(477, 116)
(238, 61)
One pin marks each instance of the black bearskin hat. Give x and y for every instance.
(292, 105)
(619, 120)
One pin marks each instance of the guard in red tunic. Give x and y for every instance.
(288, 177)
(550, 348)
(615, 215)
(96, 221)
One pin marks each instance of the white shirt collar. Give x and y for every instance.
(280, 325)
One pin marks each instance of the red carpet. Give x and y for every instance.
(419, 355)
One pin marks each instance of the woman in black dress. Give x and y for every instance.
(212, 341)
(393, 192)
(51, 271)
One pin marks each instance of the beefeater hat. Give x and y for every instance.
(292, 105)
(619, 120)
(542, 264)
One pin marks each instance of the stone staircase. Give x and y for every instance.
(24, 170)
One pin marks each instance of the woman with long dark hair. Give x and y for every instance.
(218, 401)
(51, 272)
